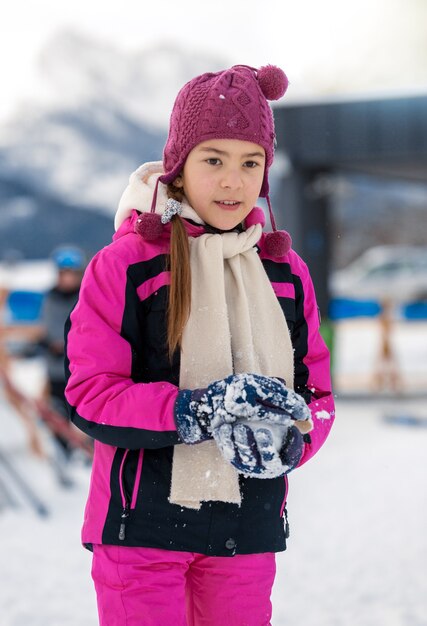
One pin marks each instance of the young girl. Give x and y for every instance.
(196, 364)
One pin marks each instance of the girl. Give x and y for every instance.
(195, 362)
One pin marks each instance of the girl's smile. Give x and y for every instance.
(228, 205)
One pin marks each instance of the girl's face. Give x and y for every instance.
(222, 179)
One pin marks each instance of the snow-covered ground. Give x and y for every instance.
(357, 555)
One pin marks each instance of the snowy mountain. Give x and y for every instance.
(83, 155)
(66, 156)
(142, 85)
(100, 113)
(33, 222)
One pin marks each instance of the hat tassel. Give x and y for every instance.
(149, 225)
(279, 242)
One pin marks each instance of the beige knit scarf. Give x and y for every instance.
(236, 325)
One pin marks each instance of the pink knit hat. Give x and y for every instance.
(231, 104)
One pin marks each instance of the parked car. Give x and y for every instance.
(398, 273)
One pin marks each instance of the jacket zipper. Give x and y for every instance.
(285, 497)
(128, 500)
(284, 510)
(286, 524)
(124, 517)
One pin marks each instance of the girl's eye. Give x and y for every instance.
(251, 164)
(213, 161)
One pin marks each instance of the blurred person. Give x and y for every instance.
(70, 263)
(195, 362)
(387, 373)
(12, 395)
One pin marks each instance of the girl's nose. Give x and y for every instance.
(231, 179)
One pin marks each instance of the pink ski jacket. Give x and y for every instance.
(122, 388)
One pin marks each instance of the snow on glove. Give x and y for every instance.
(255, 397)
(193, 414)
(254, 451)
(198, 411)
(249, 397)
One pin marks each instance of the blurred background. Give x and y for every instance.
(87, 92)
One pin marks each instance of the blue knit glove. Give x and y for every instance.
(193, 414)
(292, 448)
(254, 451)
(255, 397)
(248, 397)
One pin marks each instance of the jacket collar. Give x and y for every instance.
(138, 195)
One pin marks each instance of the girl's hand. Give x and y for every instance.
(237, 398)
(256, 397)
(254, 452)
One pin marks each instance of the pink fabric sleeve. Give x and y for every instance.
(312, 364)
(104, 400)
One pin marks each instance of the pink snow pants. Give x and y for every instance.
(151, 587)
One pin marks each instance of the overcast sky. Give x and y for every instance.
(313, 41)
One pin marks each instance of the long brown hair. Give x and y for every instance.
(179, 303)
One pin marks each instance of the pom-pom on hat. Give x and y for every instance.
(231, 104)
